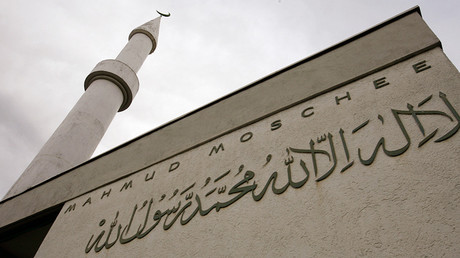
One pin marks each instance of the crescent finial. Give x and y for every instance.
(163, 14)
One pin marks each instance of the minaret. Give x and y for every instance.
(109, 88)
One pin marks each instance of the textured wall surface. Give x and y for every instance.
(390, 42)
(368, 169)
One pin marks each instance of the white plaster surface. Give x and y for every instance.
(76, 139)
(118, 73)
(405, 205)
(396, 39)
(136, 51)
(150, 29)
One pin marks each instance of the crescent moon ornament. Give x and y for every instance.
(163, 14)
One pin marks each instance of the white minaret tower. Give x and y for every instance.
(110, 87)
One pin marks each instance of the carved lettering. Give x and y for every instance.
(106, 193)
(174, 166)
(188, 188)
(88, 201)
(70, 208)
(216, 149)
(246, 137)
(307, 112)
(126, 185)
(379, 83)
(337, 99)
(275, 125)
(222, 176)
(147, 178)
(319, 155)
(420, 66)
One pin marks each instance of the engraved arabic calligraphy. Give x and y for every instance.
(316, 158)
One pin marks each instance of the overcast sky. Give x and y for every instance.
(206, 49)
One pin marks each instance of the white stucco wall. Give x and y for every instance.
(405, 203)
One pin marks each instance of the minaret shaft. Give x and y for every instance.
(110, 87)
(136, 51)
(76, 139)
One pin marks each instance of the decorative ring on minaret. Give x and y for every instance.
(119, 74)
(148, 34)
(150, 29)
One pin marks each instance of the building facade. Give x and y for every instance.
(350, 152)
